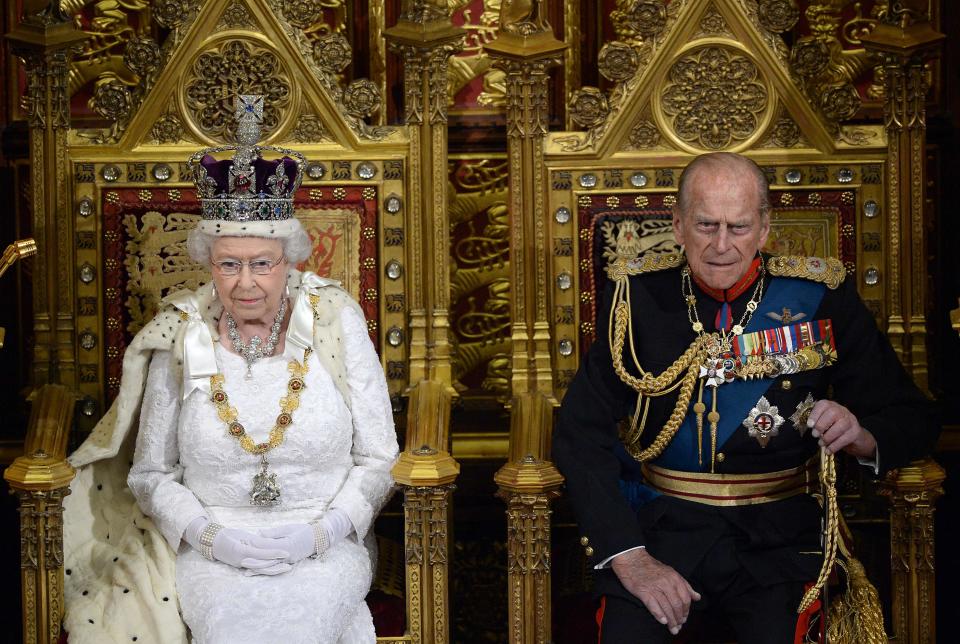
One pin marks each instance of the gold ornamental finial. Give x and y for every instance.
(15, 251)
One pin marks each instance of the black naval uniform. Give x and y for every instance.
(749, 562)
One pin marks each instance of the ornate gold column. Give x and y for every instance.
(41, 479)
(427, 472)
(913, 491)
(528, 483)
(525, 49)
(44, 39)
(425, 39)
(904, 40)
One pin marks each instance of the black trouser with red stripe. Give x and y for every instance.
(746, 579)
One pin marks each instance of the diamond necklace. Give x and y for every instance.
(256, 349)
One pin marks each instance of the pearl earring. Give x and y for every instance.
(214, 290)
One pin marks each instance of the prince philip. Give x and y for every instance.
(690, 434)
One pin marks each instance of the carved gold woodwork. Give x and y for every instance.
(238, 63)
(528, 565)
(525, 49)
(904, 41)
(44, 40)
(913, 491)
(716, 99)
(425, 40)
(125, 64)
(427, 473)
(40, 480)
(427, 541)
(479, 281)
(528, 484)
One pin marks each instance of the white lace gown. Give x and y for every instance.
(187, 465)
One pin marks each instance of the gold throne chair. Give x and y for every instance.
(119, 97)
(681, 79)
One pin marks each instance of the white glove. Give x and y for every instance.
(298, 539)
(303, 540)
(240, 549)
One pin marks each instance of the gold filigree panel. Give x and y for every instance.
(157, 262)
(223, 71)
(714, 97)
(479, 282)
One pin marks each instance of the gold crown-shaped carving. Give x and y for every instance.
(247, 187)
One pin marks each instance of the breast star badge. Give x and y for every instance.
(802, 414)
(763, 422)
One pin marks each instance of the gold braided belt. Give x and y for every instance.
(733, 489)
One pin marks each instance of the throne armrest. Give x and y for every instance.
(913, 491)
(40, 479)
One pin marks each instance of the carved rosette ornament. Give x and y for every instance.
(111, 98)
(644, 135)
(235, 67)
(167, 129)
(714, 98)
(809, 57)
(840, 102)
(171, 13)
(333, 53)
(639, 19)
(309, 129)
(713, 23)
(235, 16)
(302, 13)
(142, 56)
(786, 132)
(618, 61)
(588, 107)
(361, 98)
(778, 15)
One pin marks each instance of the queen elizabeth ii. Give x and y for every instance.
(265, 437)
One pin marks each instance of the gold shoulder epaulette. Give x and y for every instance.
(647, 263)
(826, 270)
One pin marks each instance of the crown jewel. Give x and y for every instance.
(247, 187)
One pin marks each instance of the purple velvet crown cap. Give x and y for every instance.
(263, 169)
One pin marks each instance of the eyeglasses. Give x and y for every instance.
(232, 267)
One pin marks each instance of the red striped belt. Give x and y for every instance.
(733, 489)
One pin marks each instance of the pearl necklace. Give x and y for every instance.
(256, 349)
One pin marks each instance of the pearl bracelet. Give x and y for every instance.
(206, 539)
(320, 540)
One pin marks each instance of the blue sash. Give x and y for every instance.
(735, 399)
